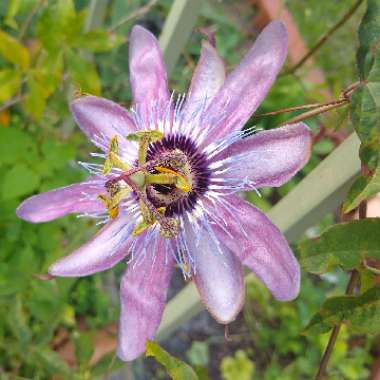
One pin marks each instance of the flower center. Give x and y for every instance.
(193, 167)
(169, 176)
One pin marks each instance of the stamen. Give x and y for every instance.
(144, 138)
(181, 183)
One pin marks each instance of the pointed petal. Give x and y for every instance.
(146, 69)
(259, 244)
(109, 246)
(219, 275)
(246, 87)
(268, 158)
(101, 119)
(207, 79)
(143, 295)
(76, 198)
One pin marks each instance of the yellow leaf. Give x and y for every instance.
(13, 51)
(10, 81)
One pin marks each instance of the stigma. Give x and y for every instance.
(162, 181)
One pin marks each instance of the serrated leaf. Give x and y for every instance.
(362, 189)
(344, 245)
(83, 73)
(13, 51)
(365, 112)
(369, 38)
(176, 369)
(10, 82)
(361, 313)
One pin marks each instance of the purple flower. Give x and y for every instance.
(167, 189)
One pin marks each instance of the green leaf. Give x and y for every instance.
(51, 362)
(17, 321)
(361, 313)
(12, 10)
(83, 73)
(84, 348)
(10, 82)
(237, 367)
(35, 100)
(345, 244)
(42, 82)
(362, 189)
(56, 24)
(18, 181)
(365, 115)
(369, 38)
(13, 51)
(365, 112)
(177, 369)
(15, 146)
(98, 40)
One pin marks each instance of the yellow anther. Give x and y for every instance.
(112, 203)
(114, 145)
(113, 211)
(182, 182)
(151, 136)
(113, 160)
(144, 138)
(140, 228)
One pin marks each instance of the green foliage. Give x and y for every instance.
(345, 244)
(237, 367)
(176, 369)
(61, 45)
(363, 188)
(276, 343)
(13, 51)
(365, 112)
(361, 313)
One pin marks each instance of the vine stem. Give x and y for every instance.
(29, 20)
(335, 332)
(352, 283)
(325, 37)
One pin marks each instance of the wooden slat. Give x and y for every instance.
(177, 28)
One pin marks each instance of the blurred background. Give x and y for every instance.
(66, 328)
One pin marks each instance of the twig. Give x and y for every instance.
(11, 103)
(335, 332)
(325, 37)
(322, 109)
(316, 108)
(136, 14)
(350, 289)
(29, 20)
(288, 109)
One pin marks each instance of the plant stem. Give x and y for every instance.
(314, 112)
(133, 15)
(29, 20)
(354, 279)
(10, 103)
(325, 37)
(334, 333)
